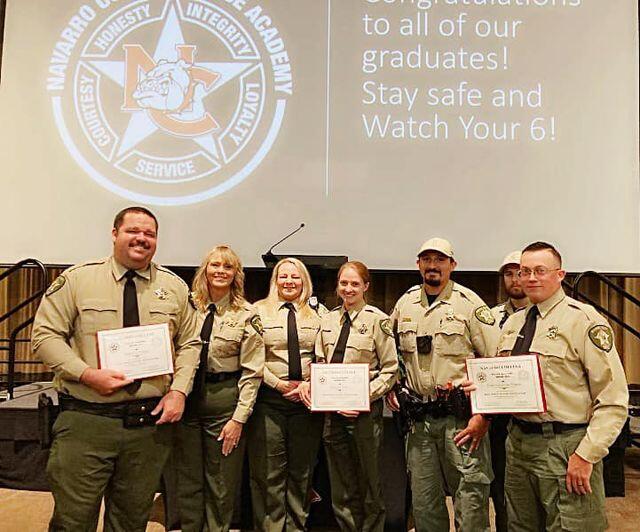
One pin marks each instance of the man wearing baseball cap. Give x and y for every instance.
(516, 300)
(440, 324)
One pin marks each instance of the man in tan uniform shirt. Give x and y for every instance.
(554, 459)
(93, 454)
(440, 324)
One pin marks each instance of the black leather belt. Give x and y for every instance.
(537, 428)
(133, 413)
(213, 378)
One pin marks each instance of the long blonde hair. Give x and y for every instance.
(307, 286)
(200, 286)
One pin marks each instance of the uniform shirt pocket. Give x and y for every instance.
(407, 333)
(307, 337)
(553, 358)
(98, 315)
(227, 341)
(450, 339)
(274, 334)
(163, 313)
(363, 347)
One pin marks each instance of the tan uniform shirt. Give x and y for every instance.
(88, 298)
(236, 344)
(370, 342)
(502, 312)
(584, 381)
(461, 326)
(275, 318)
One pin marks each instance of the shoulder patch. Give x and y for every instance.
(602, 337)
(385, 325)
(314, 303)
(484, 315)
(256, 323)
(56, 285)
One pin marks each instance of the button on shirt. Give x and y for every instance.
(88, 298)
(367, 343)
(274, 317)
(583, 383)
(236, 344)
(461, 326)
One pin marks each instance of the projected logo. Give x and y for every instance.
(169, 103)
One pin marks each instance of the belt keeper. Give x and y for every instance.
(547, 430)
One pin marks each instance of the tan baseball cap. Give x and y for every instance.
(437, 244)
(512, 258)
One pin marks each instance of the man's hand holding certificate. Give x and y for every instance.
(138, 352)
(339, 387)
(506, 385)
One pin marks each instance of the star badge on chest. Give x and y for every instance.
(161, 293)
(363, 329)
(552, 333)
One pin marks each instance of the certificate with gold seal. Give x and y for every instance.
(337, 387)
(138, 352)
(507, 385)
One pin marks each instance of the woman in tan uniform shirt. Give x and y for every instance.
(211, 440)
(284, 436)
(357, 333)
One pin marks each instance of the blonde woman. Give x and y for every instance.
(284, 436)
(211, 439)
(357, 333)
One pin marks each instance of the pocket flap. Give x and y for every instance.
(163, 308)
(98, 304)
(233, 334)
(407, 326)
(361, 343)
(450, 327)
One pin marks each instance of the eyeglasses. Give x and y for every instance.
(538, 271)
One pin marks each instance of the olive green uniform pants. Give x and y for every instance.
(436, 466)
(353, 448)
(94, 455)
(283, 442)
(535, 488)
(208, 481)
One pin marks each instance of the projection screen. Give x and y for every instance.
(377, 123)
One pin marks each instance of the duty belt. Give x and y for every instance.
(213, 378)
(538, 428)
(133, 413)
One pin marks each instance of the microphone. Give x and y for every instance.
(269, 256)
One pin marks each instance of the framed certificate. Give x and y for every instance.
(507, 385)
(339, 387)
(138, 352)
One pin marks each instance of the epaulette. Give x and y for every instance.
(174, 274)
(94, 262)
(588, 310)
(336, 308)
(413, 289)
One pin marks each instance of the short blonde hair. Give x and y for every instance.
(307, 286)
(200, 285)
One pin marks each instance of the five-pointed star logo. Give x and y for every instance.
(140, 124)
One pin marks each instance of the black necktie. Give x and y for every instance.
(525, 336)
(130, 316)
(293, 346)
(341, 344)
(505, 317)
(205, 336)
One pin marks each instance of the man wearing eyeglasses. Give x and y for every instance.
(440, 324)
(554, 459)
(516, 300)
